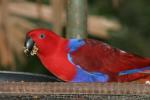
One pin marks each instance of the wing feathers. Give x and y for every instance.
(96, 56)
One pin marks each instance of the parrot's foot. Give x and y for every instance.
(147, 82)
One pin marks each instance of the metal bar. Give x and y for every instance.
(76, 18)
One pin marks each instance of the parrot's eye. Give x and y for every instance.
(41, 36)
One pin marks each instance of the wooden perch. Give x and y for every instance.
(74, 88)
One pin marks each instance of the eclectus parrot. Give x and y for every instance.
(84, 60)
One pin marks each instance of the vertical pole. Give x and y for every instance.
(76, 18)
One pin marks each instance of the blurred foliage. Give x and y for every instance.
(134, 16)
(43, 1)
(101, 7)
(134, 36)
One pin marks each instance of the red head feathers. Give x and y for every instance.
(52, 52)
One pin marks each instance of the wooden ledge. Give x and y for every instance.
(47, 88)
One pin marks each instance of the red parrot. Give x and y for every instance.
(84, 60)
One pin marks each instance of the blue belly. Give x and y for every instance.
(84, 76)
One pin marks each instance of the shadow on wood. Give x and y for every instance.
(25, 77)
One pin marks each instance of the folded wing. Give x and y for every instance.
(96, 56)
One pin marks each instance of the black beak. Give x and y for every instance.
(29, 43)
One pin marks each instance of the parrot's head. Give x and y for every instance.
(51, 50)
(39, 40)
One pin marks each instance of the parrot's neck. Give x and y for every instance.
(57, 62)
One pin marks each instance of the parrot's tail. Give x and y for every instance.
(134, 74)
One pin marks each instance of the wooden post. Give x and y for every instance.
(39, 9)
(58, 9)
(76, 18)
(39, 12)
(5, 49)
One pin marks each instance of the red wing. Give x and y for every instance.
(100, 57)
